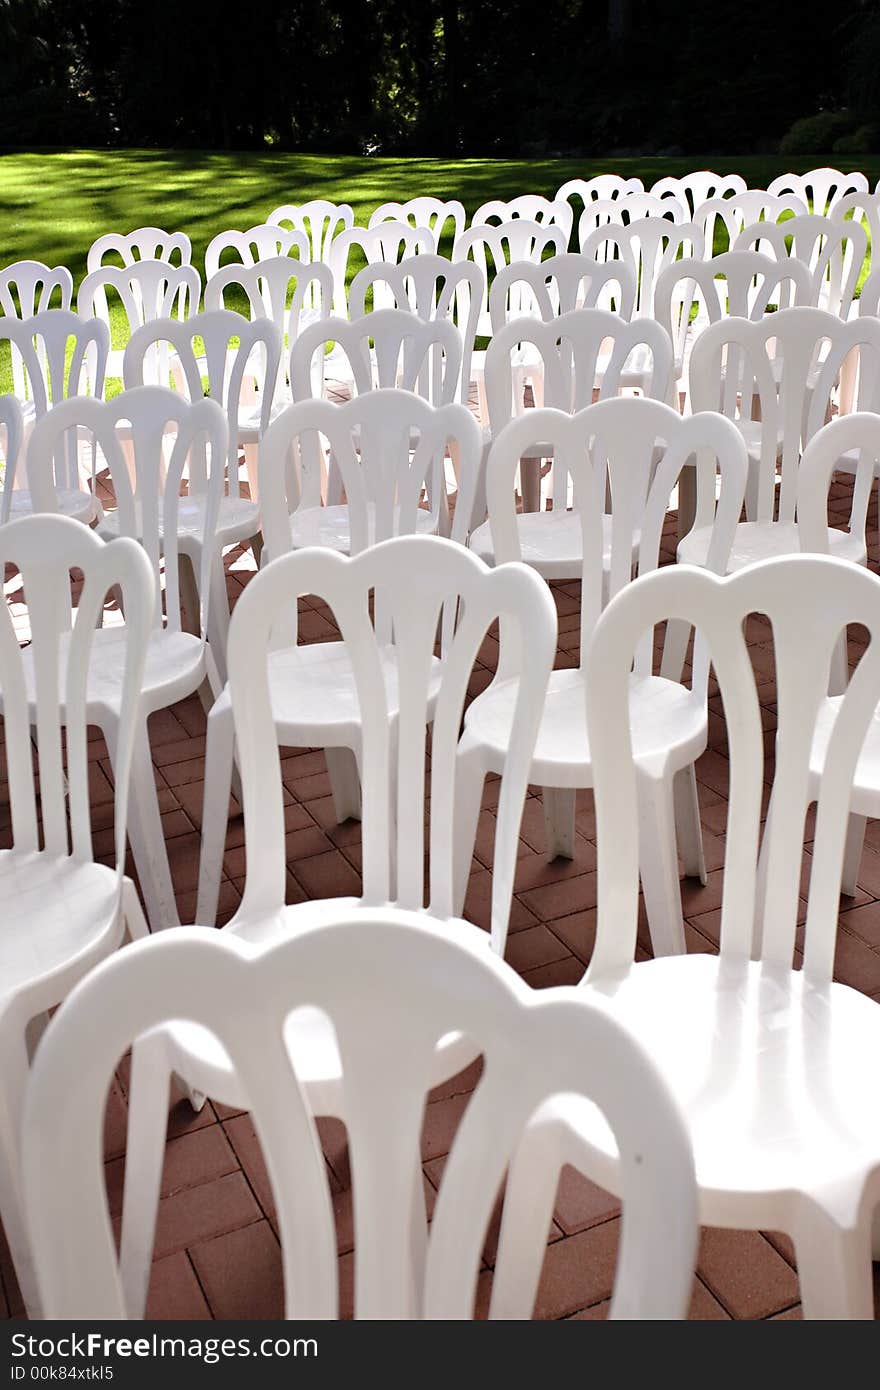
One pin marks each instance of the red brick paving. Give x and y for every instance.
(217, 1253)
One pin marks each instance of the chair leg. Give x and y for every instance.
(144, 1159)
(147, 839)
(687, 823)
(658, 865)
(13, 1051)
(218, 615)
(529, 1196)
(135, 922)
(834, 1269)
(852, 854)
(559, 804)
(687, 501)
(219, 756)
(345, 783)
(530, 484)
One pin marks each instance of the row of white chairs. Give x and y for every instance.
(754, 1063)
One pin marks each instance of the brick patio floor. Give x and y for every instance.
(217, 1253)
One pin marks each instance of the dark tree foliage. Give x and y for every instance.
(432, 76)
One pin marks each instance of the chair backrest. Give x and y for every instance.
(148, 497)
(863, 208)
(414, 983)
(558, 286)
(789, 363)
(739, 283)
(833, 249)
(492, 246)
(646, 247)
(27, 288)
(599, 186)
(574, 355)
(417, 582)
(430, 213)
(740, 211)
(281, 289)
(12, 424)
(402, 345)
(869, 299)
(260, 243)
(389, 447)
(386, 241)
(53, 813)
(146, 290)
(319, 219)
(820, 189)
(143, 244)
(432, 287)
(634, 449)
(622, 212)
(258, 352)
(855, 434)
(808, 600)
(61, 355)
(532, 206)
(697, 187)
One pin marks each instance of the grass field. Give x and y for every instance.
(54, 203)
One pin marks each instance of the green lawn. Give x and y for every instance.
(54, 203)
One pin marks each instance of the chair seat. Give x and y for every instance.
(761, 540)
(551, 542)
(196, 1056)
(78, 503)
(667, 722)
(173, 669)
(763, 1065)
(329, 526)
(56, 915)
(238, 519)
(314, 697)
(250, 427)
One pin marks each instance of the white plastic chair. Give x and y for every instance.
(742, 210)
(261, 243)
(375, 698)
(789, 363)
(387, 241)
(434, 214)
(863, 208)
(698, 187)
(558, 286)
(766, 1061)
(61, 356)
(834, 250)
(739, 284)
(12, 425)
(319, 219)
(143, 244)
(258, 352)
(372, 438)
(492, 246)
(820, 189)
(431, 287)
(851, 443)
(146, 290)
(568, 361)
(602, 186)
(419, 981)
(28, 288)
(545, 211)
(402, 345)
(283, 290)
(61, 911)
(615, 443)
(623, 212)
(176, 662)
(646, 247)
